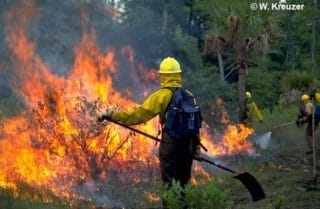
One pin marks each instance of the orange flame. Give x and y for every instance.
(56, 141)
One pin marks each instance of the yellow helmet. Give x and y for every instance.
(317, 96)
(169, 65)
(248, 94)
(304, 98)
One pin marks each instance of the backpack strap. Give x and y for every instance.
(173, 90)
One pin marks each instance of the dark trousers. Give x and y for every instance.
(176, 158)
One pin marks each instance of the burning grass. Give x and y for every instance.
(55, 145)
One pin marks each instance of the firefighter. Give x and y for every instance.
(252, 110)
(305, 116)
(176, 157)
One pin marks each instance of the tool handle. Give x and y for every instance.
(135, 130)
(144, 133)
(201, 159)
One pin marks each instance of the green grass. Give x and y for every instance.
(282, 169)
(30, 198)
(280, 115)
(9, 202)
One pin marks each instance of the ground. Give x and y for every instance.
(283, 169)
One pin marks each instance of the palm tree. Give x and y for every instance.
(247, 32)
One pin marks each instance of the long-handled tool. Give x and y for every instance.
(143, 133)
(284, 124)
(314, 154)
(247, 179)
(263, 140)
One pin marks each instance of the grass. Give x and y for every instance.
(9, 202)
(30, 198)
(281, 169)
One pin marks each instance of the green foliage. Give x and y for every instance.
(207, 87)
(278, 203)
(186, 48)
(253, 22)
(300, 80)
(207, 196)
(295, 43)
(264, 87)
(173, 196)
(279, 115)
(9, 201)
(203, 196)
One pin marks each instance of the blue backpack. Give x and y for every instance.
(182, 117)
(317, 112)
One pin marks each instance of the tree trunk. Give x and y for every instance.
(313, 43)
(221, 69)
(190, 4)
(242, 92)
(165, 17)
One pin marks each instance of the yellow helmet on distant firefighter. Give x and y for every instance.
(305, 98)
(248, 95)
(169, 65)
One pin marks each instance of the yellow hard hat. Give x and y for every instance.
(248, 94)
(317, 96)
(305, 98)
(169, 65)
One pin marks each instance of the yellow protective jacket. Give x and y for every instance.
(153, 105)
(308, 108)
(252, 109)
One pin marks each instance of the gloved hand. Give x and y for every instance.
(197, 151)
(300, 121)
(104, 115)
(260, 121)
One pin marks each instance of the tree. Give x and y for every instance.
(246, 32)
(313, 44)
(152, 25)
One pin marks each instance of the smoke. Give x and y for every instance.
(58, 27)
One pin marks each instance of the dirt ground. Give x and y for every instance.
(284, 170)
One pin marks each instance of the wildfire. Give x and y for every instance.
(55, 142)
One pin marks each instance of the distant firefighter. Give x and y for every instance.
(305, 115)
(252, 110)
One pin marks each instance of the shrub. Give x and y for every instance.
(297, 80)
(203, 196)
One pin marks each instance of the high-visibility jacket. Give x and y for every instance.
(252, 109)
(153, 105)
(308, 108)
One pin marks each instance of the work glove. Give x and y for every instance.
(104, 115)
(300, 122)
(197, 151)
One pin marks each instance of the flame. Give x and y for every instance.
(55, 142)
(152, 197)
(233, 140)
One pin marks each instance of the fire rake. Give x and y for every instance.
(245, 178)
